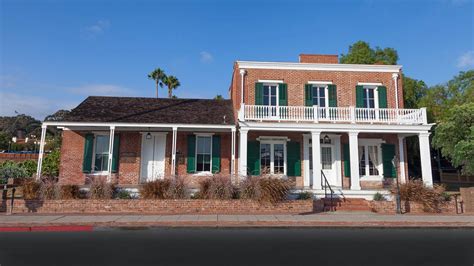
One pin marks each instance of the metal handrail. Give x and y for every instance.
(326, 185)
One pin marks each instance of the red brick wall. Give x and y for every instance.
(18, 157)
(411, 207)
(319, 58)
(129, 158)
(72, 155)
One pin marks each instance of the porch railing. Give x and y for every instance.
(333, 114)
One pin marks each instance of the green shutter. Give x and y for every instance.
(258, 93)
(388, 152)
(216, 154)
(88, 148)
(332, 91)
(308, 95)
(293, 159)
(115, 153)
(347, 161)
(253, 157)
(382, 91)
(191, 162)
(283, 94)
(359, 96)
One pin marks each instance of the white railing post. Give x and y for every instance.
(352, 114)
(424, 117)
(315, 114)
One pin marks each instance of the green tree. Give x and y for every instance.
(413, 91)
(454, 135)
(172, 83)
(50, 165)
(218, 97)
(4, 140)
(157, 75)
(361, 53)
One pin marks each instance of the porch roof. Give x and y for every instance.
(140, 110)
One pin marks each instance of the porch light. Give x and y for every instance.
(148, 135)
(326, 139)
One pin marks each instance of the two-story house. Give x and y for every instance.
(315, 121)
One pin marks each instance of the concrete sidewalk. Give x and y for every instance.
(336, 219)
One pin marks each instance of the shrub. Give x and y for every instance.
(306, 195)
(155, 189)
(378, 197)
(30, 189)
(265, 189)
(416, 191)
(69, 192)
(177, 189)
(216, 187)
(49, 189)
(10, 169)
(100, 189)
(446, 196)
(29, 166)
(123, 194)
(50, 165)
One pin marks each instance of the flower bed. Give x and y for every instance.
(167, 206)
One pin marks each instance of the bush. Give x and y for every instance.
(69, 192)
(100, 189)
(31, 189)
(378, 197)
(416, 191)
(217, 187)
(177, 189)
(155, 189)
(50, 165)
(10, 169)
(123, 194)
(265, 189)
(49, 189)
(306, 195)
(29, 166)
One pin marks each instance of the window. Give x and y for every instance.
(369, 160)
(101, 153)
(326, 158)
(273, 157)
(265, 158)
(203, 153)
(320, 95)
(369, 97)
(270, 95)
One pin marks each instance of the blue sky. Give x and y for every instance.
(55, 53)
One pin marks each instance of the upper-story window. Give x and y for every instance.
(270, 94)
(320, 95)
(370, 95)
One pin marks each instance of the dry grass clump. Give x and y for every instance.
(69, 192)
(217, 187)
(100, 189)
(49, 189)
(416, 191)
(265, 189)
(31, 188)
(167, 188)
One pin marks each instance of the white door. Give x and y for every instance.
(153, 157)
(328, 163)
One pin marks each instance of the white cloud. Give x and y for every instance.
(206, 57)
(98, 28)
(101, 90)
(466, 60)
(38, 107)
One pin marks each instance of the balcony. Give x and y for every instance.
(317, 114)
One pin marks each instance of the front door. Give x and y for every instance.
(328, 164)
(153, 157)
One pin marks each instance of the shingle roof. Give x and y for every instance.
(152, 110)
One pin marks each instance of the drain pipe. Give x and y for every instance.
(395, 80)
(242, 74)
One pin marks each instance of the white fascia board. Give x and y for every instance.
(315, 82)
(131, 125)
(270, 81)
(369, 83)
(329, 127)
(320, 67)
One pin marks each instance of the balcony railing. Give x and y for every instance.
(332, 114)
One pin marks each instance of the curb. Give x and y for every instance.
(63, 228)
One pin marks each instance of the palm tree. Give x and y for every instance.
(158, 75)
(172, 83)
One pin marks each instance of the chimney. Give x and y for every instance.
(319, 58)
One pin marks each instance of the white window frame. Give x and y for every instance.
(104, 172)
(326, 90)
(276, 94)
(272, 142)
(376, 95)
(366, 143)
(197, 135)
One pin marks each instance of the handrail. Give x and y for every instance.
(326, 185)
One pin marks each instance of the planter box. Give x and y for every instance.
(184, 206)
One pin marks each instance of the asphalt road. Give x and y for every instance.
(295, 246)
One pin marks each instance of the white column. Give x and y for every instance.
(41, 152)
(307, 177)
(316, 150)
(354, 160)
(173, 151)
(232, 155)
(243, 153)
(395, 81)
(111, 151)
(401, 153)
(425, 158)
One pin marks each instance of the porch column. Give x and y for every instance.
(173, 151)
(307, 177)
(354, 160)
(232, 155)
(41, 152)
(401, 153)
(425, 158)
(243, 153)
(316, 151)
(111, 151)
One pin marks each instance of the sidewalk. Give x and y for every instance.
(336, 219)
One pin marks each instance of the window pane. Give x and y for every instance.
(373, 160)
(102, 144)
(101, 153)
(265, 158)
(326, 157)
(362, 161)
(278, 163)
(322, 92)
(203, 154)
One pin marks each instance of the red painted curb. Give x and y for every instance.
(15, 229)
(67, 228)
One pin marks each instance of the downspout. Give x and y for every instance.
(242, 74)
(395, 80)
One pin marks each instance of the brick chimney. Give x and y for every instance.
(319, 58)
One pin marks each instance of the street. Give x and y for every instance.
(236, 246)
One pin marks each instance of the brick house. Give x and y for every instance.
(355, 112)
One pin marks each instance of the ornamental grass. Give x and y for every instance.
(265, 189)
(417, 191)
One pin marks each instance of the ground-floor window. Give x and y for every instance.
(369, 160)
(101, 153)
(272, 157)
(203, 153)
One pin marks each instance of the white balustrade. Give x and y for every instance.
(333, 114)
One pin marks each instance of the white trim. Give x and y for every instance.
(319, 82)
(272, 143)
(326, 93)
(204, 134)
(270, 81)
(321, 67)
(153, 133)
(365, 143)
(369, 83)
(196, 172)
(270, 138)
(139, 125)
(94, 141)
